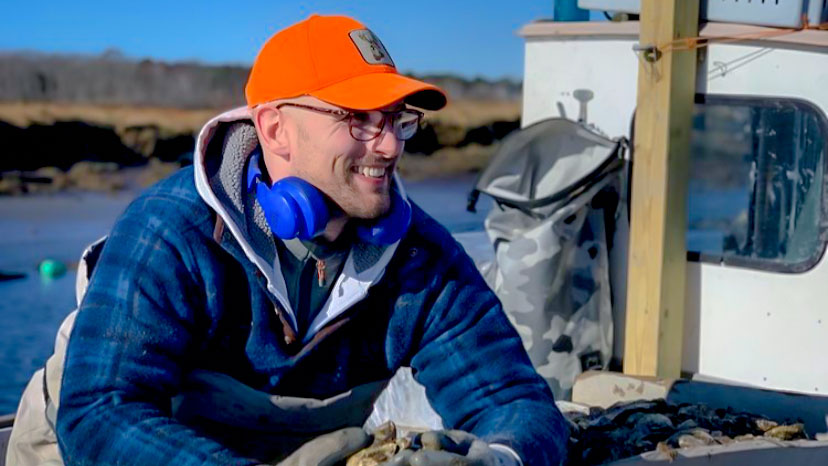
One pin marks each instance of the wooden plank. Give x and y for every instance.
(604, 389)
(569, 30)
(752, 35)
(656, 273)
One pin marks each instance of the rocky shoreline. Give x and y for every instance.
(84, 176)
(51, 147)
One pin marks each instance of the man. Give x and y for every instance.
(261, 299)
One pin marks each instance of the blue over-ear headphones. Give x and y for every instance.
(295, 208)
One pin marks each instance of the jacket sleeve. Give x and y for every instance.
(138, 325)
(476, 372)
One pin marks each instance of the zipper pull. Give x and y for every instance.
(320, 271)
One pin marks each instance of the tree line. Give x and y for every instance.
(111, 79)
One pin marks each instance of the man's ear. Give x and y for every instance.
(273, 135)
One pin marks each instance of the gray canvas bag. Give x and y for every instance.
(556, 186)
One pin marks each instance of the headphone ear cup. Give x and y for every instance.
(391, 227)
(301, 207)
(312, 211)
(280, 211)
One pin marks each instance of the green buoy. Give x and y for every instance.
(50, 268)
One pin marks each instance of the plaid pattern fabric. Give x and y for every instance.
(165, 299)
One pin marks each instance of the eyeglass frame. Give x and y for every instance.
(350, 116)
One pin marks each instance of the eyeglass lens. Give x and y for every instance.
(366, 126)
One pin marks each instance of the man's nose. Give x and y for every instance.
(386, 144)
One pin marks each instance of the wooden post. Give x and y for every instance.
(657, 256)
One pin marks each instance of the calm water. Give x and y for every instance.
(59, 227)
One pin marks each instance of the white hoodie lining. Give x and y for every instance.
(350, 287)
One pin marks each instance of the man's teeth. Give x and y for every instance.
(372, 172)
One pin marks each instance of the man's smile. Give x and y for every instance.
(373, 174)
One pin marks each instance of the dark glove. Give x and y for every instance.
(329, 449)
(454, 448)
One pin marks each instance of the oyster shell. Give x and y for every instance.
(385, 446)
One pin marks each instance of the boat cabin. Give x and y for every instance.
(756, 309)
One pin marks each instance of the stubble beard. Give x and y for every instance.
(343, 190)
(363, 206)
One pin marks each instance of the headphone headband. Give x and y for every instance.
(295, 208)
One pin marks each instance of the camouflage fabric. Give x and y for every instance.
(550, 236)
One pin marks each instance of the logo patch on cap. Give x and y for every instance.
(370, 47)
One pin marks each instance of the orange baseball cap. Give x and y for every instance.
(338, 60)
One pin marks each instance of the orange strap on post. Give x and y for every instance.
(689, 43)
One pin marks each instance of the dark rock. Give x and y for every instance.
(630, 428)
(489, 133)
(174, 149)
(61, 145)
(424, 142)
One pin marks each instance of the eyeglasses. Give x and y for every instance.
(367, 125)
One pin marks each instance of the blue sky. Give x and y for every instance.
(464, 37)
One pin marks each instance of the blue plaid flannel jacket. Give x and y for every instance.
(166, 298)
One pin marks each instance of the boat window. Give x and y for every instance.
(756, 182)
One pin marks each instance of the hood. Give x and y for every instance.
(222, 150)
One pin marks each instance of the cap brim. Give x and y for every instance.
(377, 90)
